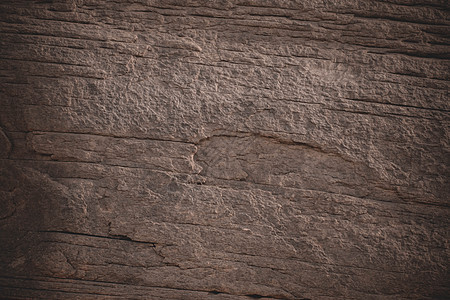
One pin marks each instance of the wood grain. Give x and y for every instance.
(231, 149)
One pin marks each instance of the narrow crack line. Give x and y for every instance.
(276, 139)
(222, 183)
(110, 237)
(45, 43)
(314, 263)
(84, 281)
(43, 62)
(403, 19)
(62, 75)
(381, 115)
(108, 136)
(75, 244)
(416, 5)
(416, 76)
(58, 37)
(106, 164)
(399, 105)
(55, 290)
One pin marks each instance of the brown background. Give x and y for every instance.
(224, 149)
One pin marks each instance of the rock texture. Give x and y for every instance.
(231, 149)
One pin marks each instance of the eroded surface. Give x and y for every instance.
(224, 149)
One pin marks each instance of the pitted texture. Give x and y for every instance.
(230, 149)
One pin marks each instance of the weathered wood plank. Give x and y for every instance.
(224, 149)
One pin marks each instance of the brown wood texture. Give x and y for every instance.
(233, 149)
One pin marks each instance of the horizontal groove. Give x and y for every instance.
(109, 237)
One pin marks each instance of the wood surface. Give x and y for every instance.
(232, 149)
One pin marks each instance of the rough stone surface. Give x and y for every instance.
(231, 149)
